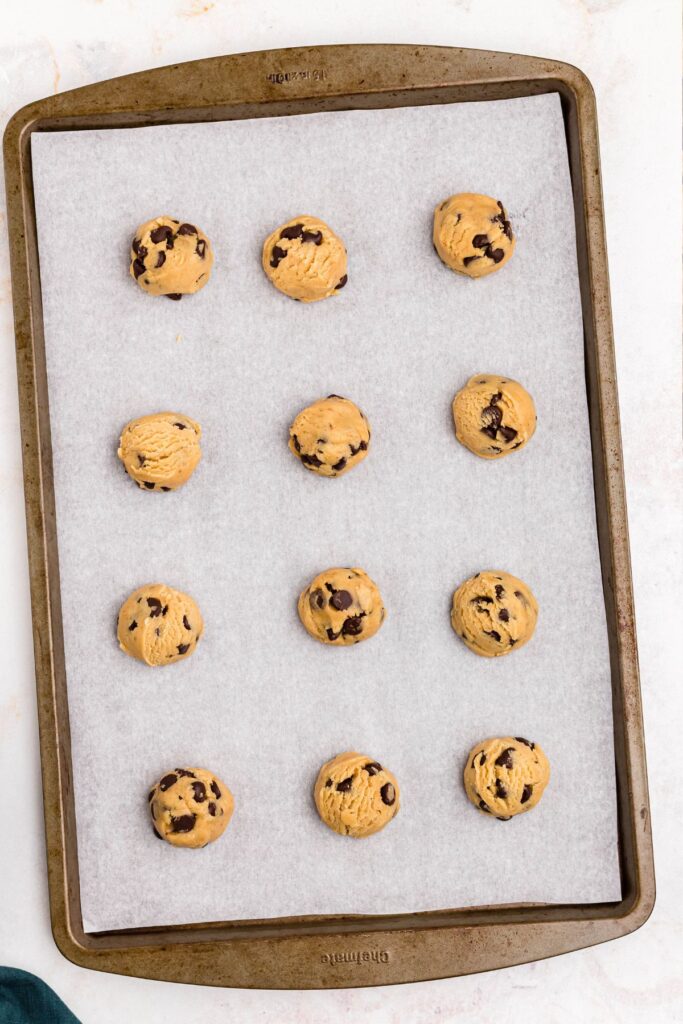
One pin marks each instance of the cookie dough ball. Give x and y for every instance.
(472, 234)
(506, 775)
(341, 606)
(170, 258)
(493, 415)
(159, 625)
(330, 436)
(305, 259)
(160, 451)
(190, 807)
(355, 796)
(494, 613)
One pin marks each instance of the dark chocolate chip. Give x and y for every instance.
(388, 794)
(176, 296)
(482, 759)
(372, 767)
(331, 635)
(501, 791)
(186, 622)
(504, 615)
(148, 484)
(328, 784)
(509, 433)
(353, 626)
(200, 248)
(341, 283)
(158, 632)
(138, 248)
(517, 445)
(341, 600)
(293, 231)
(526, 793)
(482, 599)
(310, 460)
(183, 648)
(215, 790)
(211, 807)
(502, 218)
(495, 399)
(317, 599)
(187, 229)
(504, 759)
(500, 592)
(132, 626)
(495, 254)
(185, 823)
(156, 833)
(504, 819)
(338, 466)
(155, 605)
(161, 259)
(312, 236)
(491, 416)
(512, 642)
(484, 807)
(527, 743)
(184, 772)
(480, 241)
(160, 233)
(469, 259)
(199, 792)
(295, 442)
(141, 459)
(494, 634)
(138, 268)
(165, 488)
(151, 794)
(167, 782)
(345, 785)
(164, 610)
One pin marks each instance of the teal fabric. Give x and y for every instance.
(25, 999)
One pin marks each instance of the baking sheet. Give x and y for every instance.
(260, 702)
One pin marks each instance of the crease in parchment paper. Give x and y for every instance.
(260, 702)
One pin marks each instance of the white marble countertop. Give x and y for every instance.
(630, 51)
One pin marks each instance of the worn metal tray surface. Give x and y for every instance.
(320, 952)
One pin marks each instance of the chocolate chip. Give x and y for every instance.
(480, 241)
(504, 615)
(183, 648)
(466, 263)
(482, 759)
(186, 622)
(528, 743)
(295, 442)
(509, 433)
(491, 416)
(132, 626)
(148, 484)
(167, 782)
(331, 635)
(141, 459)
(310, 460)
(517, 445)
(341, 600)
(200, 248)
(353, 626)
(199, 792)
(155, 605)
(138, 268)
(138, 248)
(504, 759)
(494, 634)
(512, 642)
(161, 259)
(164, 610)
(481, 599)
(328, 784)
(526, 793)
(496, 255)
(180, 426)
(165, 488)
(158, 632)
(372, 767)
(500, 592)
(504, 819)
(388, 794)
(312, 236)
(185, 772)
(502, 219)
(151, 794)
(160, 233)
(495, 399)
(215, 790)
(187, 229)
(341, 283)
(317, 599)
(501, 791)
(338, 466)
(156, 833)
(211, 807)
(484, 807)
(185, 823)
(292, 232)
(176, 296)
(345, 785)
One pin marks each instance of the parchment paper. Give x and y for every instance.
(260, 702)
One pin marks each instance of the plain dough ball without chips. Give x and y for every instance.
(170, 258)
(342, 607)
(159, 625)
(190, 807)
(506, 775)
(161, 451)
(472, 234)
(355, 795)
(330, 436)
(493, 415)
(305, 259)
(494, 613)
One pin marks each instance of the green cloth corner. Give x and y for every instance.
(25, 999)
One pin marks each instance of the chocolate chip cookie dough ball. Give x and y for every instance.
(506, 775)
(190, 807)
(330, 436)
(472, 234)
(341, 606)
(494, 613)
(169, 258)
(355, 795)
(493, 415)
(161, 451)
(305, 259)
(159, 625)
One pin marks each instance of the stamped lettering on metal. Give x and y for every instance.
(314, 74)
(358, 956)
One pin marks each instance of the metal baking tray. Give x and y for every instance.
(338, 951)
